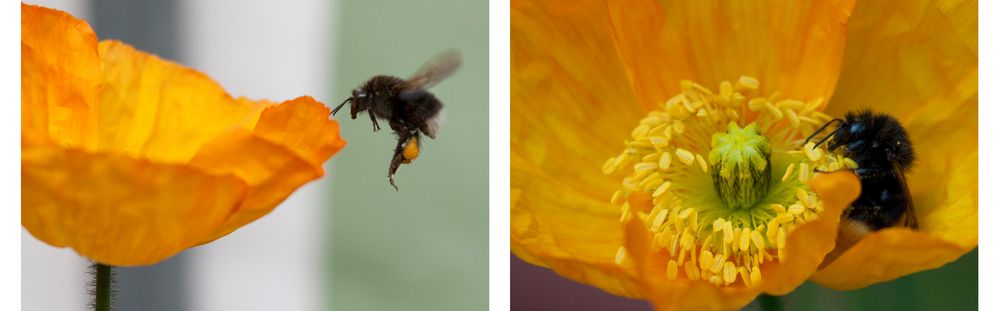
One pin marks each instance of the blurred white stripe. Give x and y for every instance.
(53, 278)
(276, 50)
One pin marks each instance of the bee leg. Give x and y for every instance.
(392, 182)
(398, 158)
(394, 166)
(373, 121)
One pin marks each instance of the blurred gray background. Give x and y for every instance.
(347, 241)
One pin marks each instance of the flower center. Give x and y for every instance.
(721, 219)
(740, 165)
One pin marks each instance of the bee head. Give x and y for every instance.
(842, 135)
(852, 130)
(358, 102)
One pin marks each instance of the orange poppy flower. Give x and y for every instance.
(130, 159)
(678, 230)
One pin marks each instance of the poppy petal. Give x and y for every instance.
(60, 78)
(573, 105)
(118, 210)
(302, 125)
(922, 50)
(886, 255)
(156, 109)
(130, 159)
(285, 150)
(793, 47)
(945, 235)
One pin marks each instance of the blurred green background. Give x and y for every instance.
(951, 287)
(424, 247)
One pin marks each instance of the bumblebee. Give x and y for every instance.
(406, 104)
(879, 145)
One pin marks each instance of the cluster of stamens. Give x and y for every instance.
(708, 232)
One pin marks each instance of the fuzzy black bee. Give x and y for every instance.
(883, 152)
(409, 108)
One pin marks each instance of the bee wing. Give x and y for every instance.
(434, 71)
(909, 218)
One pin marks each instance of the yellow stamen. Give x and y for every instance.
(618, 197)
(685, 156)
(781, 238)
(609, 166)
(803, 173)
(787, 173)
(621, 253)
(662, 189)
(658, 221)
(718, 263)
(749, 82)
(795, 209)
(715, 280)
(664, 160)
(812, 153)
(730, 272)
(773, 109)
(678, 127)
(744, 242)
(757, 239)
(706, 260)
(755, 275)
(744, 275)
(729, 235)
(704, 165)
(692, 273)
(793, 117)
(783, 218)
(671, 270)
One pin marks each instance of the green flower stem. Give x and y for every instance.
(102, 287)
(770, 303)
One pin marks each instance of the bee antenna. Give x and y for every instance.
(822, 129)
(340, 106)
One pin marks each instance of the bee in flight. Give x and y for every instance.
(879, 145)
(406, 104)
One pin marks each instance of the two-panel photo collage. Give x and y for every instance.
(497, 155)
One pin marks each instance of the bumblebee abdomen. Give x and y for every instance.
(882, 203)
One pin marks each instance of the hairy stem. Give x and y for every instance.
(102, 287)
